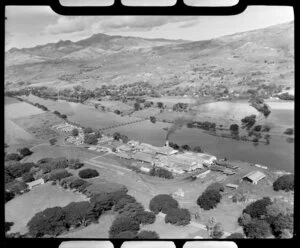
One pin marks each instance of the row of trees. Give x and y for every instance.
(185, 147)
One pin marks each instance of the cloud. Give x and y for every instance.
(93, 24)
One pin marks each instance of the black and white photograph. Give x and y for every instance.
(149, 127)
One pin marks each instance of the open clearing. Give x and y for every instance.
(16, 110)
(22, 208)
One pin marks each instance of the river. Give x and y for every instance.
(279, 154)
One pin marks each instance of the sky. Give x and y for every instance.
(28, 26)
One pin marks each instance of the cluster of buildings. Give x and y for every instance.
(164, 157)
(67, 128)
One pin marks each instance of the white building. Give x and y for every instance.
(35, 183)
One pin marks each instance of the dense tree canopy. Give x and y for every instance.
(178, 216)
(257, 229)
(236, 236)
(147, 235)
(161, 172)
(162, 203)
(88, 173)
(258, 208)
(123, 224)
(209, 199)
(285, 182)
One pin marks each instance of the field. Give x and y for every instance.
(145, 113)
(21, 109)
(22, 208)
(111, 105)
(40, 125)
(10, 100)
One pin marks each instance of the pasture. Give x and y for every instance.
(22, 208)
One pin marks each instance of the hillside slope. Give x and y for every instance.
(266, 55)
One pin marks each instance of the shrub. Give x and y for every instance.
(12, 156)
(178, 217)
(198, 149)
(76, 184)
(25, 152)
(8, 196)
(146, 217)
(59, 174)
(289, 131)
(15, 187)
(88, 130)
(161, 172)
(102, 203)
(257, 229)
(257, 128)
(75, 164)
(52, 141)
(75, 132)
(216, 186)
(244, 219)
(88, 173)
(90, 139)
(236, 236)
(7, 226)
(234, 128)
(126, 235)
(122, 224)
(258, 209)
(162, 203)
(285, 182)
(209, 199)
(147, 235)
(217, 231)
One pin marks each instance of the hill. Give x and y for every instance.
(238, 60)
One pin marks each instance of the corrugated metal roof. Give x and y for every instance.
(255, 176)
(143, 157)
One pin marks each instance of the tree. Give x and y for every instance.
(162, 203)
(88, 173)
(244, 219)
(209, 199)
(146, 217)
(216, 186)
(90, 139)
(79, 213)
(122, 224)
(102, 203)
(285, 182)
(160, 105)
(12, 156)
(7, 226)
(75, 132)
(123, 201)
(258, 209)
(249, 121)
(28, 177)
(76, 184)
(52, 141)
(161, 172)
(278, 207)
(98, 134)
(126, 235)
(234, 128)
(88, 130)
(217, 231)
(147, 235)
(51, 221)
(8, 196)
(289, 131)
(116, 136)
(25, 152)
(186, 147)
(257, 229)
(137, 106)
(152, 119)
(236, 236)
(117, 112)
(282, 222)
(75, 164)
(198, 149)
(178, 217)
(59, 174)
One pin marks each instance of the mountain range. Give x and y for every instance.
(265, 54)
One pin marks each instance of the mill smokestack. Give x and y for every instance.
(167, 143)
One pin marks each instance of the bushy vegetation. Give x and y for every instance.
(161, 172)
(209, 199)
(257, 229)
(289, 131)
(75, 132)
(53, 141)
(248, 121)
(286, 96)
(285, 182)
(236, 236)
(12, 156)
(216, 186)
(178, 217)
(162, 203)
(58, 174)
(123, 224)
(88, 173)
(147, 235)
(258, 208)
(90, 139)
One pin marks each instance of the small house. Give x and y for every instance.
(254, 176)
(35, 183)
(232, 186)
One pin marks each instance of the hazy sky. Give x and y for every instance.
(29, 26)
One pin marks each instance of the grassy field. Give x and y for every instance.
(99, 230)
(10, 100)
(40, 125)
(22, 208)
(16, 110)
